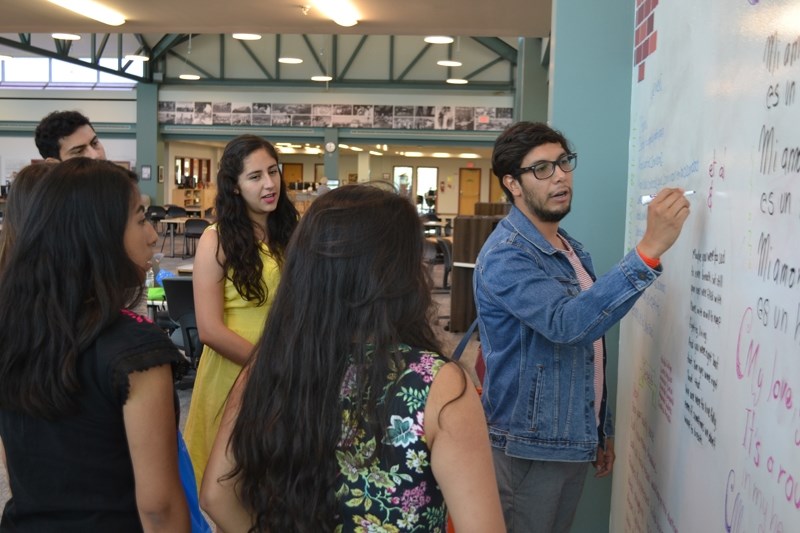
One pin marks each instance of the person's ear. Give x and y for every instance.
(511, 184)
(52, 160)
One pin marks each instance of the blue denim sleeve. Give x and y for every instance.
(608, 427)
(546, 298)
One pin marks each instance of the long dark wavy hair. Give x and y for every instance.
(236, 230)
(354, 286)
(17, 204)
(66, 278)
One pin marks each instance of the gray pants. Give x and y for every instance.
(538, 496)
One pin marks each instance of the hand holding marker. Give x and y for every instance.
(647, 198)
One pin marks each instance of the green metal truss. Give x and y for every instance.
(266, 70)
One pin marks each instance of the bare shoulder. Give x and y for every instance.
(452, 401)
(209, 255)
(449, 382)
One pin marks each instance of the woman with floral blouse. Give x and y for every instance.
(348, 418)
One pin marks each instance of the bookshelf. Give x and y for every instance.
(196, 200)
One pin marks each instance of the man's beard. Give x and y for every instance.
(543, 214)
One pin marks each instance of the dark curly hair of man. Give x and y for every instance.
(56, 126)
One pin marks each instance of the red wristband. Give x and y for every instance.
(649, 261)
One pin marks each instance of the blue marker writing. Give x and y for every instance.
(647, 198)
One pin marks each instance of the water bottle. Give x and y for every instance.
(150, 279)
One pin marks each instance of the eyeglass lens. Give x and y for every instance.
(545, 169)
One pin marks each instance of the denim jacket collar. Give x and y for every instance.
(528, 231)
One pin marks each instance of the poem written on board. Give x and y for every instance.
(705, 321)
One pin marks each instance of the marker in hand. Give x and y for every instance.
(647, 198)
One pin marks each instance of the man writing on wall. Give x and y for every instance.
(542, 315)
(62, 135)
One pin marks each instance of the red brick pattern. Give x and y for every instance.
(646, 36)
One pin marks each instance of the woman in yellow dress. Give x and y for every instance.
(236, 271)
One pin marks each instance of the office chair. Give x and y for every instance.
(192, 231)
(175, 211)
(446, 247)
(180, 305)
(432, 255)
(155, 214)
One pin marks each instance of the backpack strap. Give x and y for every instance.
(464, 340)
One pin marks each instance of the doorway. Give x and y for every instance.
(427, 178)
(292, 173)
(469, 190)
(496, 193)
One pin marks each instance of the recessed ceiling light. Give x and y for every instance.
(356, 149)
(92, 10)
(345, 21)
(290, 60)
(342, 145)
(321, 78)
(438, 39)
(190, 77)
(136, 57)
(468, 155)
(66, 36)
(373, 152)
(246, 36)
(449, 63)
(440, 154)
(457, 81)
(413, 154)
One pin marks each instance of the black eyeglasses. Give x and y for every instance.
(544, 169)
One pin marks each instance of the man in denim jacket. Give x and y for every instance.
(542, 316)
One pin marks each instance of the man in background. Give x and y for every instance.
(62, 135)
(322, 188)
(543, 315)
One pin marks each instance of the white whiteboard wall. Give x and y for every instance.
(708, 408)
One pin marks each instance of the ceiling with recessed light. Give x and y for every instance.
(153, 23)
(502, 18)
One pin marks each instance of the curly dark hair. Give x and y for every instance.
(354, 275)
(235, 228)
(513, 145)
(56, 126)
(66, 278)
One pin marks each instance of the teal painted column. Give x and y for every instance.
(147, 139)
(331, 159)
(591, 69)
(530, 98)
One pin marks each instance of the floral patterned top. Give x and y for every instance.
(396, 491)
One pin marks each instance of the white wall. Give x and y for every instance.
(99, 106)
(16, 152)
(29, 107)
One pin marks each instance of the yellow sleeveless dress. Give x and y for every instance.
(216, 374)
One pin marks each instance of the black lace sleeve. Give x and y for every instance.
(132, 344)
